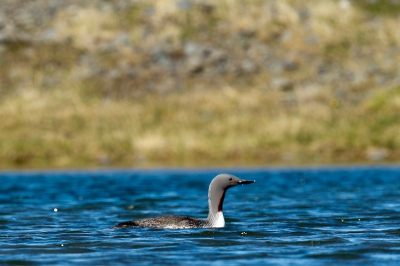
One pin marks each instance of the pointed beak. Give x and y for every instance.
(245, 182)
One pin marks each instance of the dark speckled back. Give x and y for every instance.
(170, 221)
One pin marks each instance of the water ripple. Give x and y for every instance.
(304, 216)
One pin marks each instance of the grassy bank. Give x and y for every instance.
(202, 84)
(226, 127)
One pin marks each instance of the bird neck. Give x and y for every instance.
(215, 205)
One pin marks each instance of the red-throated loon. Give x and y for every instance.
(216, 194)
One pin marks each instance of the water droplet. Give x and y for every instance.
(55, 210)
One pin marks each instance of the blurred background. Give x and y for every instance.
(129, 83)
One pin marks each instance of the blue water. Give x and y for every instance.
(303, 216)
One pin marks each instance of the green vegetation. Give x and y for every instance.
(187, 83)
(380, 7)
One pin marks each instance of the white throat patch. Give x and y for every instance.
(218, 220)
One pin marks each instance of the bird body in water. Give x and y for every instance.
(216, 194)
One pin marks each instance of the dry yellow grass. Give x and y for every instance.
(226, 127)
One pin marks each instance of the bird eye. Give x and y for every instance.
(230, 178)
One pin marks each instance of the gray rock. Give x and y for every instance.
(194, 64)
(50, 35)
(248, 66)
(290, 65)
(281, 83)
(199, 57)
(184, 4)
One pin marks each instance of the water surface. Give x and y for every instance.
(304, 216)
